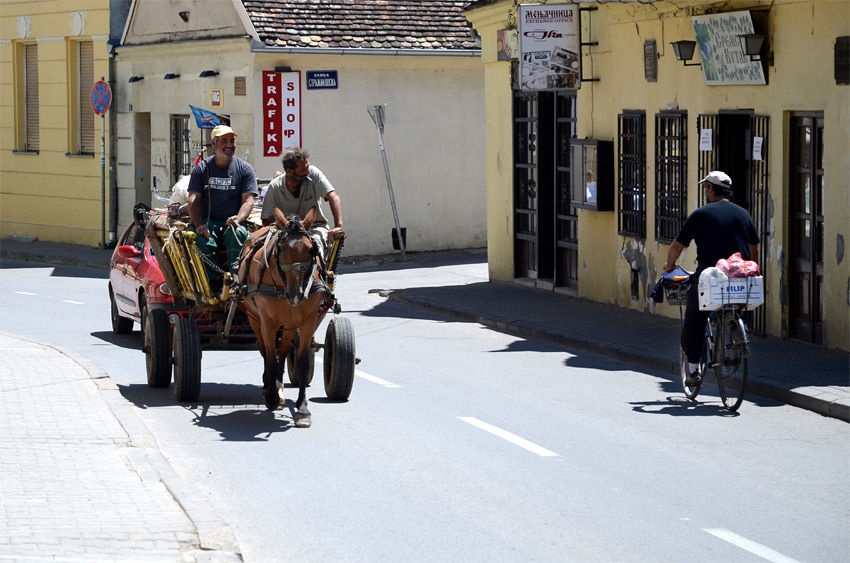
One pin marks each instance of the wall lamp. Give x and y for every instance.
(752, 44)
(171, 76)
(283, 69)
(684, 51)
(136, 78)
(208, 73)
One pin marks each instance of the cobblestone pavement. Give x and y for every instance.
(80, 476)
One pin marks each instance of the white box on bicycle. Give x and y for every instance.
(714, 293)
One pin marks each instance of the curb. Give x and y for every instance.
(216, 541)
(820, 402)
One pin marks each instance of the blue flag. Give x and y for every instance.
(205, 119)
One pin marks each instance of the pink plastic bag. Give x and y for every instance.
(736, 267)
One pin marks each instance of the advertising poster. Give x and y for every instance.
(723, 61)
(281, 111)
(550, 55)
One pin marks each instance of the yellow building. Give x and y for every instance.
(654, 125)
(51, 177)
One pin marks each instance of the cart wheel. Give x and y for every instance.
(290, 361)
(120, 325)
(157, 348)
(187, 361)
(339, 359)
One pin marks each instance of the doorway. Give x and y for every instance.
(545, 222)
(142, 158)
(806, 200)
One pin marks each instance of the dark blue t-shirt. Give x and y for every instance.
(720, 229)
(226, 186)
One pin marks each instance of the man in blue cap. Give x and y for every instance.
(222, 190)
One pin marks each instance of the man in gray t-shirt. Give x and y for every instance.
(298, 190)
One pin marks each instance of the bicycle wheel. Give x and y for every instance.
(691, 391)
(731, 360)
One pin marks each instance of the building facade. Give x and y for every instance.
(53, 184)
(416, 59)
(654, 125)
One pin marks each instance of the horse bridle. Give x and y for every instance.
(296, 229)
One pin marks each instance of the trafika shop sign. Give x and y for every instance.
(281, 111)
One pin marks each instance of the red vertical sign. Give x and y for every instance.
(281, 111)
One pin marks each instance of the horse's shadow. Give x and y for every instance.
(235, 411)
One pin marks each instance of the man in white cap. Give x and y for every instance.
(720, 229)
(222, 189)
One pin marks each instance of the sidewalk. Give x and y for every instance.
(81, 478)
(806, 376)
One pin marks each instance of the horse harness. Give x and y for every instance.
(273, 240)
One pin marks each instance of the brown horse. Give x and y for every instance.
(281, 293)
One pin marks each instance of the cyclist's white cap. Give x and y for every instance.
(718, 178)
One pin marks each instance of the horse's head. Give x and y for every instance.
(297, 254)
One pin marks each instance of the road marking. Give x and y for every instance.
(372, 378)
(73, 302)
(755, 548)
(24, 293)
(512, 438)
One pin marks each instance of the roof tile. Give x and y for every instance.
(379, 24)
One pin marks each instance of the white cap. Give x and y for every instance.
(718, 178)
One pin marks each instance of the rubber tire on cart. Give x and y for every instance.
(157, 348)
(186, 357)
(339, 359)
(120, 325)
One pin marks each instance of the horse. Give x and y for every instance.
(281, 293)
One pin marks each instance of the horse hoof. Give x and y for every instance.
(303, 420)
(273, 402)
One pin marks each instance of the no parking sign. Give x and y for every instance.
(101, 97)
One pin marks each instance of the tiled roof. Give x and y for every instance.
(353, 24)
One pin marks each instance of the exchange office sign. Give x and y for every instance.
(281, 111)
(550, 55)
(723, 61)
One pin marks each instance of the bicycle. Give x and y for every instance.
(726, 346)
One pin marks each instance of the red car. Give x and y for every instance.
(136, 282)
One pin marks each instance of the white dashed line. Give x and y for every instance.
(73, 302)
(372, 378)
(755, 548)
(512, 438)
(24, 293)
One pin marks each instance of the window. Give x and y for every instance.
(671, 166)
(83, 127)
(181, 149)
(26, 98)
(631, 161)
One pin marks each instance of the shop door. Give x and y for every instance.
(806, 199)
(545, 230)
(739, 148)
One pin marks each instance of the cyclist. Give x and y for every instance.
(720, 229)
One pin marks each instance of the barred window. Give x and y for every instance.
(631, 158)
(181, 150)
(671, 167)
(29, 140)
(85, 77)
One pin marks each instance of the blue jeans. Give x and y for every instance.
(231, 238)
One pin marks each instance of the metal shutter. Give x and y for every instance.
(31, 96)
(86, 65)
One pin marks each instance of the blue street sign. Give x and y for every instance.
(321, 79)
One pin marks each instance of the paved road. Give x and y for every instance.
(465, 443)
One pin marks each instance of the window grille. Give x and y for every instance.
(671, 167)
(631, 158)
(31, 120)
(181, 147)
(85, 126)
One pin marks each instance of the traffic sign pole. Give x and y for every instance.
(101, 99)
